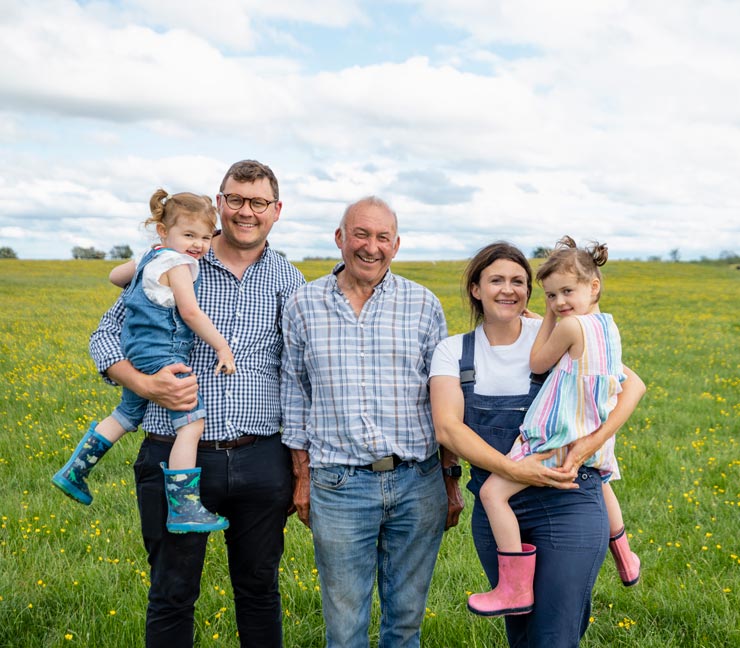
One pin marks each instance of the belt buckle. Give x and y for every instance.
(217, 444)
(383, 465)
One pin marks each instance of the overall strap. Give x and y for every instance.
(467, 361)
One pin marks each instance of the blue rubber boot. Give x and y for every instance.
(71, 478)
(185, 511)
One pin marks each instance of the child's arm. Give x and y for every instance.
(180, 281)
(581, 449)
(122, 275)
(553, 341)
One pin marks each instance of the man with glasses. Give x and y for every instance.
(246, 469)
(358, 348)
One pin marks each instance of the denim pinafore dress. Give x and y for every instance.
(153, 337)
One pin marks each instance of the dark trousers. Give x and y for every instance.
(251, 486)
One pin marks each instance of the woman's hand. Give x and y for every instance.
(578, 451)
(531, 471)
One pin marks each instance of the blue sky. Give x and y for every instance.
(522, 120)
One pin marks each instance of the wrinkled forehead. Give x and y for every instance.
(371, 218)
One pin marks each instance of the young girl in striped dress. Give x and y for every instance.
(575, 400)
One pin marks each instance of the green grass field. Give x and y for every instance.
(72, 575)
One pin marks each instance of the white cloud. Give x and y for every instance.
(604, 119)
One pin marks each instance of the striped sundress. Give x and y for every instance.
(576, 399)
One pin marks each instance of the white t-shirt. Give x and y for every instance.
(164, 261)
(501, 370)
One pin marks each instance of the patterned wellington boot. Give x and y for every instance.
(71, 478)
(185, 511)
(514, 593)
(628, 564)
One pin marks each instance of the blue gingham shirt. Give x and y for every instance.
(354, 389)
(248, 314)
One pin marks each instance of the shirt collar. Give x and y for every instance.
(386, 282)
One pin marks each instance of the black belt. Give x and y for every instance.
(243, 440)
(384, 464)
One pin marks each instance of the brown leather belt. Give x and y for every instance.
(243, 440)
(384, 464)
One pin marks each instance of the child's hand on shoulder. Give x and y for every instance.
(531, 314)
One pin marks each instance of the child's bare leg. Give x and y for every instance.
(110, 429)
(614, 511)
(628, 563)
(185, 449)
(494, 495)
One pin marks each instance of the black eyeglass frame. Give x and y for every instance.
(251, 201)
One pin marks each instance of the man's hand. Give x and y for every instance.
(455, 502)
(171, 392)
(301, 486)
(163, 387)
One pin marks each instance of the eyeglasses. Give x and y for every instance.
(257, 205)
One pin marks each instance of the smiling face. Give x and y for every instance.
(369, 242)
(190, 234)
(502, 291)
(242, 228)
(566, 295)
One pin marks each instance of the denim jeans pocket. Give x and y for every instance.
(330, 478)
(428, 466)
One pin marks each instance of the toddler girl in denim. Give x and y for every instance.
(162, 318)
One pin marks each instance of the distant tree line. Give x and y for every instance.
(124, 252)
(117, 252)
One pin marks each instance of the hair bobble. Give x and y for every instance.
(165, 199)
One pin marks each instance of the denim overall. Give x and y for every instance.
(568, 527)
(152, 337)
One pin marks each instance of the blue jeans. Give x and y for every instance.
(251, 486)
(390, 523)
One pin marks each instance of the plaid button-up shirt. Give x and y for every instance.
(248, 314)
(354, 389)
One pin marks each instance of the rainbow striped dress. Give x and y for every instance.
(576, 399)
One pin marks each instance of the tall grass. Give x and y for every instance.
(77, 576)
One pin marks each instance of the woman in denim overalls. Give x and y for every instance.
(481, 388)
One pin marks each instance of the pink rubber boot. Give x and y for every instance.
(628, 564)
(514, 593)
